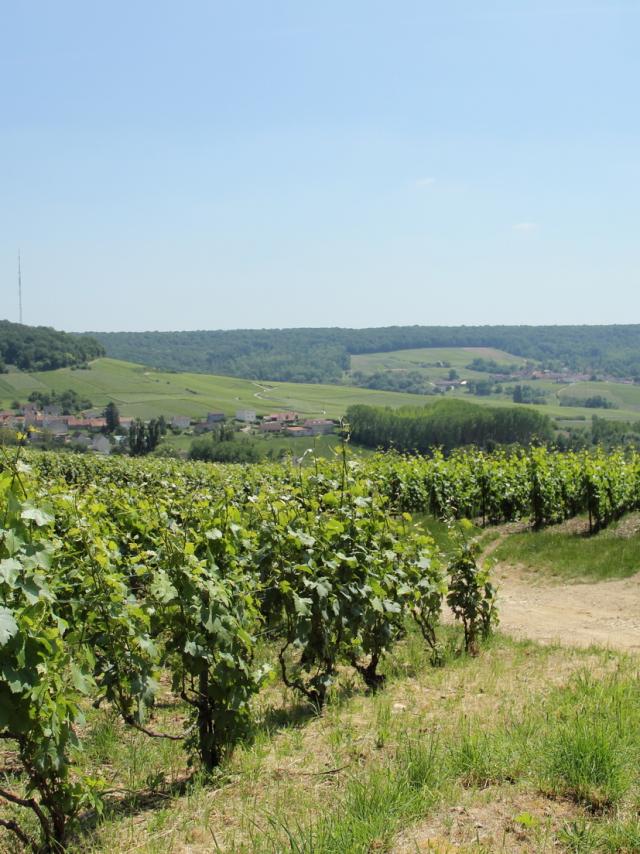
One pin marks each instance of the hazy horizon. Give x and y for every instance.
(354, 165)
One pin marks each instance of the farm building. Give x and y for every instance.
(55, 426)
(319, 426)
(248, 416)
(101, 445)
(8, 418)
(298, 431)
(180, 422)
(282, 417)
(271, 427)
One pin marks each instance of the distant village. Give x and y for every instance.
(565, 377)
(47, 426)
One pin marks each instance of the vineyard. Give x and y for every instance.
(125, 580)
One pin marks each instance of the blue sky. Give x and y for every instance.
(203, 165)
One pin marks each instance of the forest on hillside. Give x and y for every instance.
(322, 355)
(41, 348)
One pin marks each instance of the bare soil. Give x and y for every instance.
(496, 820)
(605, 613)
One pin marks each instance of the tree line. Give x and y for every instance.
(446, 424)
(323, 355)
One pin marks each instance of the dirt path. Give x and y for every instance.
(604, 612)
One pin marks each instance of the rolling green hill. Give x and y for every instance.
(621, 395)
(434, 362)
(139, 391)
(322, 355)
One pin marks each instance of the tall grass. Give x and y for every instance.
(581, 743)
(372, 767)
(592, 751)
(596, 558)
(373, 809)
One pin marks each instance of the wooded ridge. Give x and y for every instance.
(323, 355)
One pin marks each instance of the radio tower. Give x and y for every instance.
(19, 288)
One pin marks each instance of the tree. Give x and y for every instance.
(212, 451)
(112, 416)
(144, 438)
(154, 432)
(137, 438)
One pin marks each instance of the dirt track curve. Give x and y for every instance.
(606, 613)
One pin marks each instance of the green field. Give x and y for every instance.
(622, 395)
(141, 392)
(574, 415)
(612, 553)
(427, 361)
(146, 393)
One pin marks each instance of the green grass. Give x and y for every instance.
(181, 442)
(371, 811)
(425, 360)
(147, 393)
(574, 555)
(144, 393)
(591, 755)
(618, 836)
(545, 737)
(581, 415)
(625, 397)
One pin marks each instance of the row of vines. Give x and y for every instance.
(121, 577)
(543, 486)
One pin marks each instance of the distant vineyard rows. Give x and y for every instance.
(542, 486)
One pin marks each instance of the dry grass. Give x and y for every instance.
(496, 819)
(299, 768)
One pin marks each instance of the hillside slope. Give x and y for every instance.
(146, 393)
(322, 355)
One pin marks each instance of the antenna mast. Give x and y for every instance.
(19, 287)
